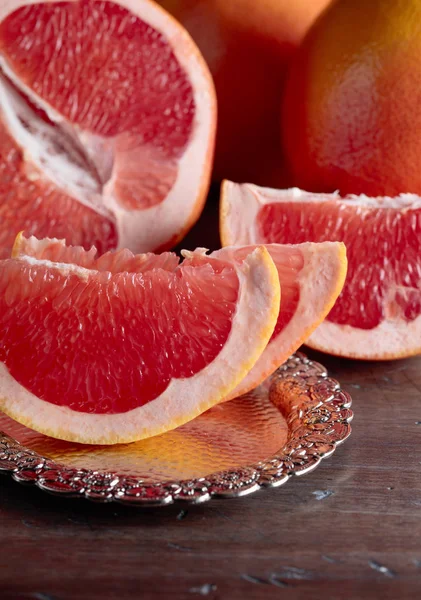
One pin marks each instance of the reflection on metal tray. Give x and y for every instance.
(284, 427)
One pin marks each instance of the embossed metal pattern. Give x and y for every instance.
(302, 406)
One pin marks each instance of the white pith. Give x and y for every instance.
(48, 151)
(392, 337)
(64, 268)
(252, 326)
(139, 230)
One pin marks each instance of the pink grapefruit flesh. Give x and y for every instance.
(107, 356)
(106, 126)
(378, 314)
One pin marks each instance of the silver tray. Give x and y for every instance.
(283, 428)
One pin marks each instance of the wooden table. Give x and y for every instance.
(350, 529)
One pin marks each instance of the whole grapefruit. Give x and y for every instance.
(351, 115)
(247, 45)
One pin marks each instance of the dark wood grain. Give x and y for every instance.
(350, 529)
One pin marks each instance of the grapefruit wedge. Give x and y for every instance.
(311, 277)
(107, 124)
(125, 349)
(378, 314)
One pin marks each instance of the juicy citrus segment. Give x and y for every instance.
(114, 261)
(381, 299)
(149, 362)
(100, 357)
(311, 277)
(393, 231)
(112, 112)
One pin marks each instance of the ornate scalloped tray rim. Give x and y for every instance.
(318, 416)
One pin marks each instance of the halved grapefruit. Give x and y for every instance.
(119, 351)
(378, 314)
(107, 124)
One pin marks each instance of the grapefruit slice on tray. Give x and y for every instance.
(121, 348)
(107, 124)
(311, 277)
(378, 314)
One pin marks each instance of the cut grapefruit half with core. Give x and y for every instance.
(107, 124)
(122, 350)
(378, 314)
